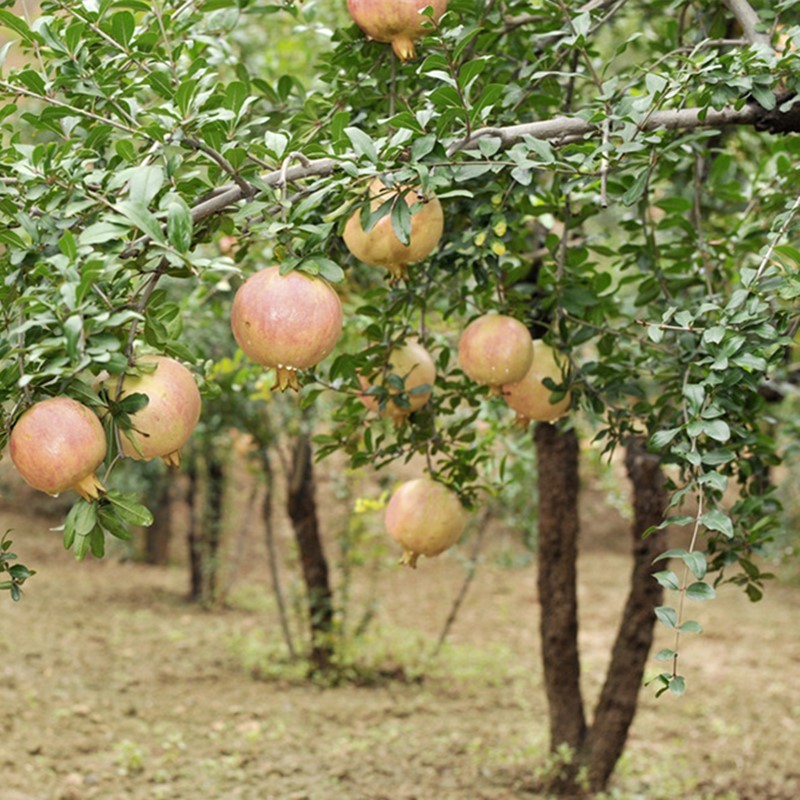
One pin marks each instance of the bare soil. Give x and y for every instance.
(112, 686)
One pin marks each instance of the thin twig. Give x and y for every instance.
(748, 19)
(472, 568)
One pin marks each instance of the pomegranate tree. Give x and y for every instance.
(287, 322)
(414, 364)
(380, 246)
(57, 444)
(495, 350)
(425, 518)
(165, 424)
(530, 398)
(396, 22)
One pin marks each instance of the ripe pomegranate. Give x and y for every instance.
(397, 22)
(495, 349)
(530, 398)
(289, 322)
(381, 247)
(412, 362)
(58, 444)
(424, 517)
(165, 424)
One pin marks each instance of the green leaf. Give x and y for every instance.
(677, 685)
(668, 579)
(700, 591)
(660, 439)
(690, 626)
(102, 232)
(123, 25)
(401, 220)
(129, 510)
(67, 245)
(665, 655)
(82, 517)
(667, 616)
(179, 226)
(717, 429)
(144, 184)
(142, 219)
(362, 144)
(716, 520)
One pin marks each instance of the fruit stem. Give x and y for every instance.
(409, 559)
(286, 378)
(403, 48)
(173, 459)
(90, 488)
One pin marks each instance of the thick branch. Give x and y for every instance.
(748, 19)
(558, 130)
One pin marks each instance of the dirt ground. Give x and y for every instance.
(113, 687)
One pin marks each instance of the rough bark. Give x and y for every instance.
(205, 497)
(157, 536)
(269, 530)
(302, 508)
(617, 704)
(212, 524)
(195, 549)
(557, 456)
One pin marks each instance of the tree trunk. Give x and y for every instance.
(157, 536)
(272, 554)
(302, 509)
(205, 497)
(557, 456)
(212, 523)
(617, 705)
(195, 545)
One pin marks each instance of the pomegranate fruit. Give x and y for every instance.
(380, 247)
(495, 349)
(530, 398)
(425, 518)
(412, 362)
(165, 424)
(288, 322)
(58, 444)
(396, 22)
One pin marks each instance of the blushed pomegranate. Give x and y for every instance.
(425, 518)
(287, 322)
(57, 444)
(380, 247)
(165, 424)
(413, 363)
(495, 349)
(530, 398)
(397, 22)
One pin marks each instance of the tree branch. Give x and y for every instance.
(558, 130)
(748, 19)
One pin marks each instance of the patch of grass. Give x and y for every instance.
(381, 656)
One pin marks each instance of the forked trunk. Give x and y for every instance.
(578, 747)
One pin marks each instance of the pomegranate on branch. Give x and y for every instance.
(287, 322)
(396, 22)
(495, 350)
(530, 398)
(425, 518)
(414, 364)
(380, 246)
(57, 444)
(165, 424)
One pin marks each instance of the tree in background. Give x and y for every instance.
(619, 177)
